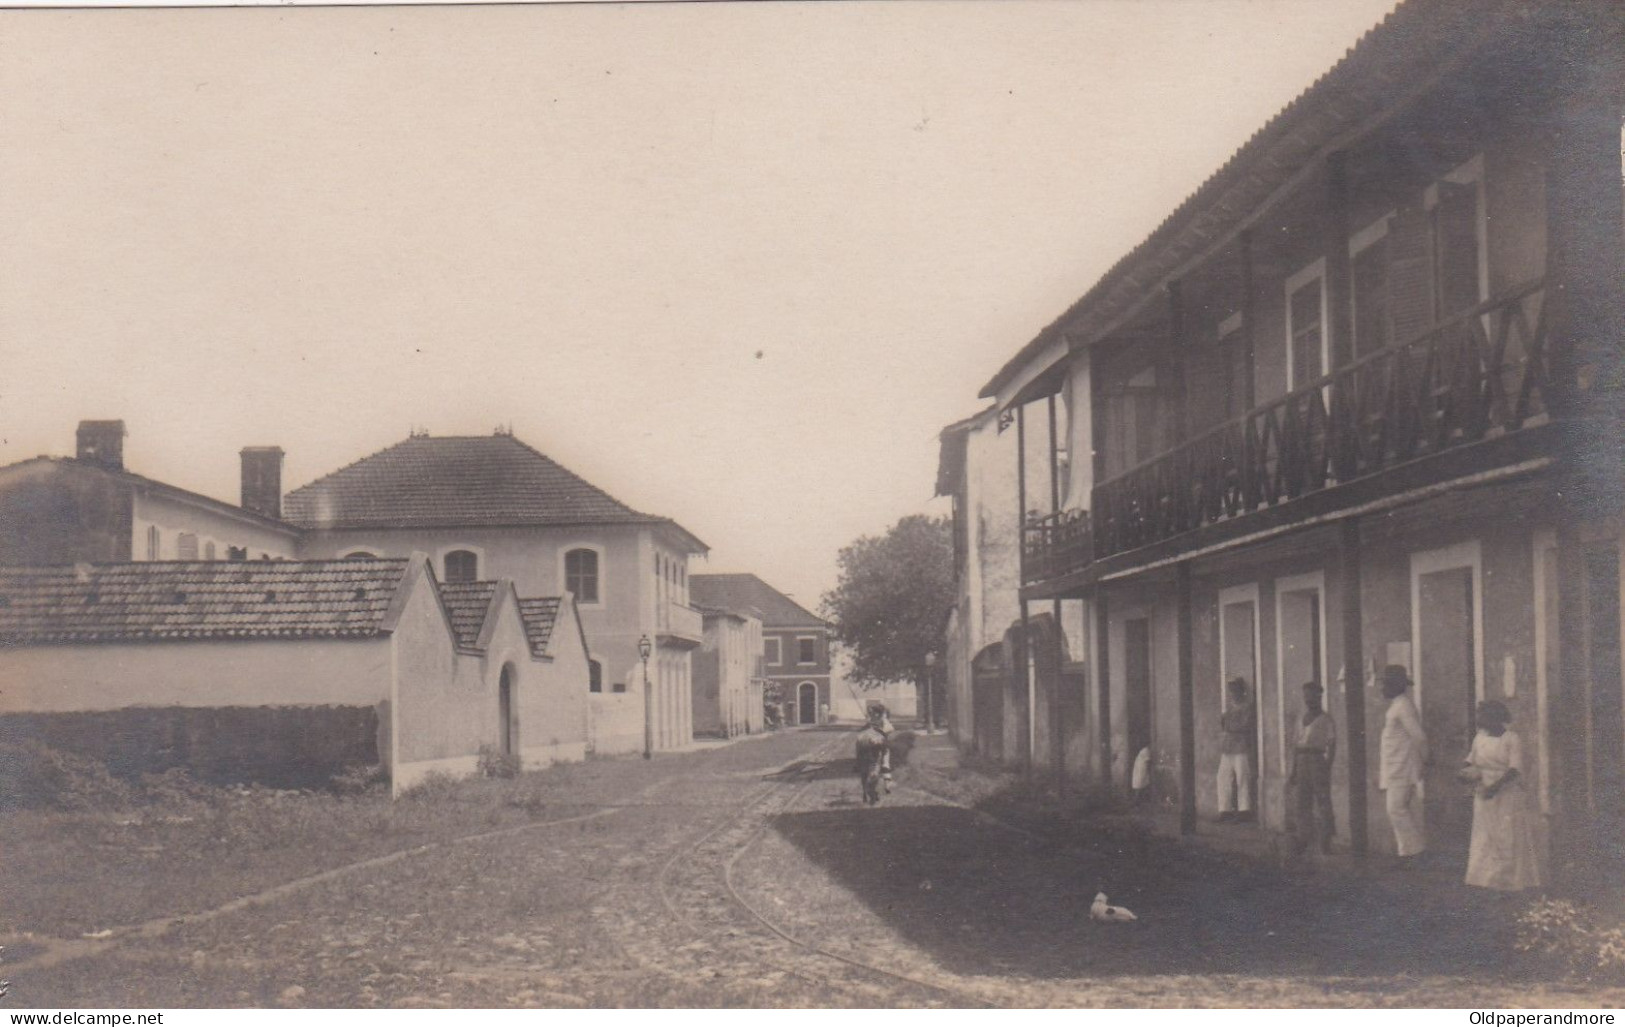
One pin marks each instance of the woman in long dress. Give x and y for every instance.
(1502, 855)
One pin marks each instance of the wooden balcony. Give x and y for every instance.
(1465, 384)
(1055, 546)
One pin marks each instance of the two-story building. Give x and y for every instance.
(795, 642)
(728, 674)
(90, 508)
(1356, 403)
(493, 507)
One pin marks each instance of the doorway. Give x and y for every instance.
(1605, 708)
(1238, 658)
(508, 725)
(1137, 684)
(1300, 652)
(1447, 626)
(808, 702)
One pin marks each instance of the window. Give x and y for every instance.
(806, 650)
(1305, 325)
(595, 676)
(152, 542)
(770, 648)
(1369, 289)
(186, 546)
(208, 550)
(1457, 203)
(237, 553)
(1233, 359)
(462, 565)
(581, 575)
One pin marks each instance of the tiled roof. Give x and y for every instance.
(456, 481)
(132, 602)
(746, 593)
(540, 615)
(466, 605)
(1411, 44)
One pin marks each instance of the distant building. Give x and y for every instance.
(89, 508)
(491, 506)
(795, 642)
(285, 672)
(728, 676)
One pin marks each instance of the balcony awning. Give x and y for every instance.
(1041, 378)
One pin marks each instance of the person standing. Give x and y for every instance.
(1236, 753)
(1404, 757)
(1502, 854)
(1310, 782)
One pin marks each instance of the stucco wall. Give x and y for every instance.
(533, 558)
(439, 700)
(302, 672)
(172, 516)
(553, 725)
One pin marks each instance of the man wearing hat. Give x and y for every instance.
(1404, 757)
(1310, 783)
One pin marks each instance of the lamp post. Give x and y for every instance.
(644, 648)
(930, 673)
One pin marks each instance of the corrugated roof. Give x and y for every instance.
(747, 593)
(133, 602)
(482, 480)
(467, 603)
(1412, 43)
(540, 614)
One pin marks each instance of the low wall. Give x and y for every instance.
(279, 746)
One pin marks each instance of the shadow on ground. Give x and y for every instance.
(982, 899)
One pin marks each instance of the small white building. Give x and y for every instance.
(287, 671)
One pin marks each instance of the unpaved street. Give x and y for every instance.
(751, 875)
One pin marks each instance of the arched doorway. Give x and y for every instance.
(808, 703)
(508, 714)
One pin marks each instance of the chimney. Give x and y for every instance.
(262, 480)
(102, 442)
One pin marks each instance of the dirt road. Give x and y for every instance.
(752, 875)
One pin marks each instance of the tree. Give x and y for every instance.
(891, 603)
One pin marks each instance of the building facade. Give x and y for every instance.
(287, 672)
(1355, 403)
(491, 506)
(728, 675)
(90, 509)
(795, 644)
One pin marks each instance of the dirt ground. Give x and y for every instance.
(749, 875)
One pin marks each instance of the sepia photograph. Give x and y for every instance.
(770, 504)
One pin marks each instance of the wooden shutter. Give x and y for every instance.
(1456, 248)
(1410, 279)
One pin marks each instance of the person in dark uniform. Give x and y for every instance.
(1310, 783)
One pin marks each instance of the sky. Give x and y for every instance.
(734, 263)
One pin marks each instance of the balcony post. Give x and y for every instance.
(1026, 661)
(1051, 540)
(1353, 678)
(1249, 315)
(1100, 644)
(1339, 318)
(1187, 703)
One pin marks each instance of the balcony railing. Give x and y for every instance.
(1482, 373)
(679, 624)
(1055, 546)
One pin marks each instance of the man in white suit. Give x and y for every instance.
(1404, 758)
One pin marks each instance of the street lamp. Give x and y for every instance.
(644, 648)
(930, 673)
